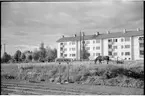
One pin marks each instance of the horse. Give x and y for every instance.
(102, 58)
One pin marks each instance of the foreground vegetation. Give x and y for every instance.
(127, 75)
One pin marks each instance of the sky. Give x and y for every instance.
(24, 25)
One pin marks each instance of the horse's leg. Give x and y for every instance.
(107, 61)
(100, 62)
(95, 61)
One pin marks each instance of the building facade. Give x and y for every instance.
(128, 45)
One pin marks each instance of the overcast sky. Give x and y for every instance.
(25, 25)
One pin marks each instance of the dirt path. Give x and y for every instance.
(67, 89)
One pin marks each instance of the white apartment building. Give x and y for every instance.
(128, 45)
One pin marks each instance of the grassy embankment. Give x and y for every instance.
(130, 74)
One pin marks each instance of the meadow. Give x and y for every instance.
(129, 74)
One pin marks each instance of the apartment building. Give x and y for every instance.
(128, 45)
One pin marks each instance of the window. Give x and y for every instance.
(73, 49)
(93, 54)
(109, 53)
(127, 53)
(115, 47)
(97, 41)
(122, 53)
(61, 43)
(87, 48)
(115, 40)
(109, 40)
(61, 54)
(93, 48)
(141, 44)
(73, 43)
(121, 39)
(61, 48)
(88, 42)
(141, 38)
(115, 54)
(97, 48)
(70, 55)
(69, 43)
(73, 55)
(65, 49)
(93, 41)
(127, 39)
(69, 49)
(141, 52)
(127, 46)
(121, 46)
(97, 54)
(109, 46)
(65, 55)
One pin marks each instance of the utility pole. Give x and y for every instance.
(4, 47)
(83, 45)
(80, 45)
(1, 49)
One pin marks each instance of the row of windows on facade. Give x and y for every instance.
(109, 53)
(109, 40)
(115, 47)
(115, 53)
(73, 49)
(87, 42)
(65, 49)
(141, 52)
(98, 41)
(65, 55)
(123, 39)
(141, 45)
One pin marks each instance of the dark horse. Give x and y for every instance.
(102, 58)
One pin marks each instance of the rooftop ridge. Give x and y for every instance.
(103, 36)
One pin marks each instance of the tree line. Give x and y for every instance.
(41, 55)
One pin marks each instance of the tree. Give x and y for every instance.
(23, 57)
(54, 53)
(17, 56)
(51, 54)
(36, 55)
(5, 58)
(42, 54)
(30, 57)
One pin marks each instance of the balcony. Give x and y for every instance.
(141, 41)
(141, 48)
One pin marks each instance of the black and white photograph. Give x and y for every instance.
(72, 47)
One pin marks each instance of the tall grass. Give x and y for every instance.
(130, 74)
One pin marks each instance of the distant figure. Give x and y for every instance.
(102, 58)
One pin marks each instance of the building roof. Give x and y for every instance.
(103, 36)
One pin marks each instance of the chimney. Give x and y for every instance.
(62, 36)
(124, 31)
(138, 29)
(75, 35)
(97, 33)
(108, 32)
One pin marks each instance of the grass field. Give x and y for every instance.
(129, 74)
